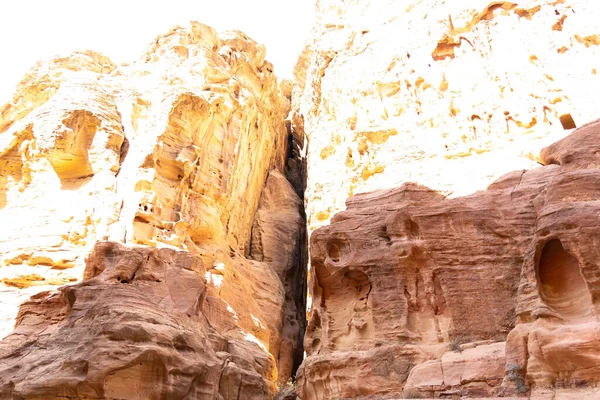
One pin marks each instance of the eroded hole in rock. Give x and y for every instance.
(315, 344)
(383, 234)
(359, 282)
(412, 229)
(12, 164)
(345, 298)
(336, 250)
(567, 159)
(562, 285)
(403, 227)
(69, 156)
(313, 333)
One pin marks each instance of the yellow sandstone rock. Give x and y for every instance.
(172, 151)
(450, 95)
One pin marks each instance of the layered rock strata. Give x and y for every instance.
(168, 176)
(416, 289)
(492, 294)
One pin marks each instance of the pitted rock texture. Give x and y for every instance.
(134, 329)
(492, 294)
(175, 144)
(448, 94)
(185, 149)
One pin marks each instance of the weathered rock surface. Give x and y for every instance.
(168, 194)
(448, 94)
(133, 329)
(167, 175)
(491, 294)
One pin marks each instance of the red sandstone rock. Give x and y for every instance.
(133, 329)
(412, 291)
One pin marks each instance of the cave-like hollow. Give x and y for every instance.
(563, 287)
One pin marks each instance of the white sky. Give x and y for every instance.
(31, 30)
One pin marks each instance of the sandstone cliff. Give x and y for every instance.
(154, 238)
(456, 277)
(416, 292)
(484, 295)
(449, 94)
(162, 184)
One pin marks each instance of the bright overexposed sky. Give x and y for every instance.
(31, 30)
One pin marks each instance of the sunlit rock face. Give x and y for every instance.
(184, 150)
(494, 294)
(436, 269)
(450, 95)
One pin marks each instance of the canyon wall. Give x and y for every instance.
(492, 294)
(451, 95)
(445, 262)
(157, 191)
(153, 240)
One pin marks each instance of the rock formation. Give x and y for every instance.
(162, 184)
(448, 94)
(489, 294)
(154, 237)
(420, 284)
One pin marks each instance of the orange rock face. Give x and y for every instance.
(153, 237)
(168, 176)
(133, 326)
(486, 295)
(427, 253)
